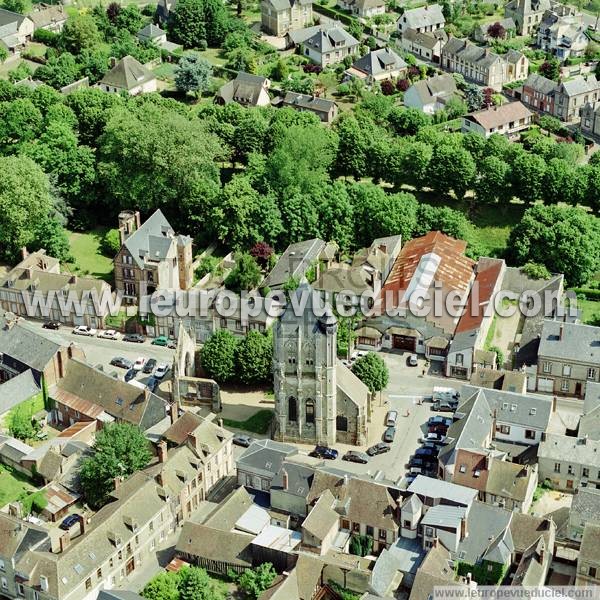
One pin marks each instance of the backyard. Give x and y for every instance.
(89, 259)
(12, 485)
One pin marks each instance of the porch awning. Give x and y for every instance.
(403, 331)
(368, 332)
(437, 342)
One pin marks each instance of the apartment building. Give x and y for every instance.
(278, 17)
(483, 66)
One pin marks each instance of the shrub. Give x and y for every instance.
(499, 355)
(387, 87)
(535, 271)
(111, 242)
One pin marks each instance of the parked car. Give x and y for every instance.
(439, 420)
(161, 370)
(431, 445)
(69, 521)
(85, 330)
(241, 439)
(149, 366)
(356, 456)
(119, 361)
(436, 438)
(425, 452)
(416, 461)
(389, 434)
(152, 384)
(109, 334)
(379, 448)
(131, 374)
(161, 340)
(439, 428)
(391, 418)
(138, 338)
(445, 406)
(139, 363)
(410, 477)
(324, 452)
(51, 325)
(412, 360)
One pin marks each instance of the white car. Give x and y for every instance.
(109, 334)
(161, 371)
(412, 360)
(139, 363)
(85, 330)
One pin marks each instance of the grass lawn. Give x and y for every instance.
(12, 485)
(590, 311)
(165, 70)
(258, 423)
(36, 49)
(89, 260)
(213, 56)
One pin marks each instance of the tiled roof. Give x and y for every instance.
(496, 116)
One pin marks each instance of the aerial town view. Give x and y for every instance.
(299, 299)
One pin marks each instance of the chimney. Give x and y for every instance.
(160, 479)
(117, 483)
(560, 332)
(174, 412)
(24, 253)
(161, 451)
(81, 524)
(285, 479)
(64, 541)
(112, 61)
(463, 528)
(73, 279)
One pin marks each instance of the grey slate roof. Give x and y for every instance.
(517, 409)
(127, 74)
(540, 83)
(586, 504)
(153, 239)
(424, 16)
(29, 346)
(444, 516)
(151, 31)
(380, 61)
(326, 40)
(570, 449)
(300, 478)
(580, 343)
(470, 53)
(245, 88)
(13, 449)
(437, 488)
(488, 534)
(265, 457)
(18, 389)
(308, 102)
(296, 259)
(279, 5)
(322, 518)
(427, 39)
(508, 24)
(590, 544)
(579, 85)
(118, 595)
(8, 17)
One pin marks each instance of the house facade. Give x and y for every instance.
(423, 19)
(483, 66)
(278, 17)
(527, 14)
(507, 119)
(425, 44)
(590, 119)
(15, 30)
(562, 35)
(327, 45)
(326, 110)
(130, 76)
(588, 563)
(431, 95)
(365, 9)
(378, 65)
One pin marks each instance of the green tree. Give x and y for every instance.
(361, 545)
(528, 172)
(18, 6)
(372, 371)
(186, 23)
(442, 218)
(162, 587)
(563, 181)
(20, 121)
(246, 275)
(473, 97)
(452, 168)
(130, 18)
(20, 423)
(254, 357)
(535, 271)
(51, 235)
(491, 183)
(111, 243)
(193, 74)
(59, 70)
(3, 54)
(336, 215)
(217, 356)
(25, 201)
(550, 69)
(253, 582)
(564, 239)
(195, 584)
(120, 450)
(407, 121)
(80, 32)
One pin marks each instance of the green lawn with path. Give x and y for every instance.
(258, 423)
(89, 260)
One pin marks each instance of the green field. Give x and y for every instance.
(257, 423)
(590, 311)
(89, 260)
(12, 485)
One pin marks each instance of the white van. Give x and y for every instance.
(445, 394)
(391, 418)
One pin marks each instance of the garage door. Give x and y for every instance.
(404, 342)
(545, 385)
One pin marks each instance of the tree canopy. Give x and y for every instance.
(372, 371)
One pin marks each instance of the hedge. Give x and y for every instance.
(334, 14)
(589, 293)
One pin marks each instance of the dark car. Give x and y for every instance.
(432, 446)
(416, 461)
(130, 375)
(379, 448)
(324, 452)
(425, 452)
(441, 429)
(241, 439)
(152, 383)
(119, 361)
(69, 521)
(445, 405)
(149, 366)
(51, 325)
(389, 434)
(356, 456)
(138, 338)
(439, 420)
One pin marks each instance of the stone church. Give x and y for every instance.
(317, 399)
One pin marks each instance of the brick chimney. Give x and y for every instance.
(81, 524)
(160, 479)
(64, 541)
(161, 451)
(192, 440)
(117, 483)
(24, 253)
(285, 479)
(560, 332)
(464, 532)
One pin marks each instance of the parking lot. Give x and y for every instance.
(100, 351)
